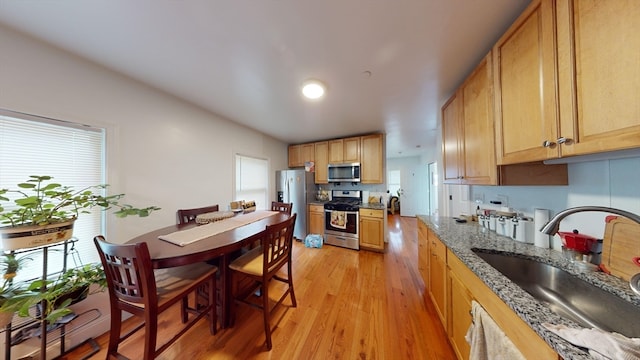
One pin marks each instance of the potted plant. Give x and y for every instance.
(43, 212)
(51, 298)
(9, 266)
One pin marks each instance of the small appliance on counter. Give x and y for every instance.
(578, 248)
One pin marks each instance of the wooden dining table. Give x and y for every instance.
(220, 246)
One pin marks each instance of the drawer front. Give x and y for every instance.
(316, 208)
(372, 213)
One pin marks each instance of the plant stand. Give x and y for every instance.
(57, 332)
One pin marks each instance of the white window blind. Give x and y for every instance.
(73, 154)
(252, 181)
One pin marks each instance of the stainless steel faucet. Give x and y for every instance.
(551, 228)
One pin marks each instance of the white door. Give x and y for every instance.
(413, 191)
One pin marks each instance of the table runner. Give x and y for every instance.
(185, 237)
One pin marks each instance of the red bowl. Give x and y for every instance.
(579, 242)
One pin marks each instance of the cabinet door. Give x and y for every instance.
(351, 150)
(371, 159)
(599, 75)
(295, 156)
(451, 136)
(459, 315)
(336, 151)
(322, 161)
(423, 254)
(478, 145)
(372, 229)
(316, 219)
(438, 276)
(307, 152)
(525, 92)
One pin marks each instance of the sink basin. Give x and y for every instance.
(568, 295)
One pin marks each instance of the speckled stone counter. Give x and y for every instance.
(462, 238)
(375, 206)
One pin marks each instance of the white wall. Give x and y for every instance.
(160, 150)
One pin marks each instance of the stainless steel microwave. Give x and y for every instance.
(344, 172)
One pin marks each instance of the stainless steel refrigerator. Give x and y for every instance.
(296, 187)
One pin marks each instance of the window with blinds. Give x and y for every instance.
(252, 180)
(73, 154)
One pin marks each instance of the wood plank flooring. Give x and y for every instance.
(351, 305)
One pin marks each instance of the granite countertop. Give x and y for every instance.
(461, 238)
(375, 206)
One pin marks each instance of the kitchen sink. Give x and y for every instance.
(568, 295)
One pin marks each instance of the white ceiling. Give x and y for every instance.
(245, 59)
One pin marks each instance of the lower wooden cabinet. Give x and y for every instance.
(460, 317)
(452, 286)
(316, 219)
(438, 276)
(423, 254)
(467, 286)
(372, 229)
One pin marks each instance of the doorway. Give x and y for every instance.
(432, 170)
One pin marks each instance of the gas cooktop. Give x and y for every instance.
(344, 200)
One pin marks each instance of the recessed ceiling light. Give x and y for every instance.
(313, 89)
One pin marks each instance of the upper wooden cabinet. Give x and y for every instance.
(566, 85)
(368, 150)
(525, 93)
(372, 159)
(322, 161)
(451, 140)
(468, 140)
(467, 131)
(299, 154)
(345, 150)
(599, 75)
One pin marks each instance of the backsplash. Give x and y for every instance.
(610, 183)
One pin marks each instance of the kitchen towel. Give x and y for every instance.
(339, 219)
(540, 219)
(601, 344)
(487, 340)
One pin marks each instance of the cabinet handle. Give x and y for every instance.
(548, 143)
(564, 140)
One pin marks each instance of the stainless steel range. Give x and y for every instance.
(341, 219)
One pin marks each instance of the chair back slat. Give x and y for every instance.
(126, 271)
(277, 244)
(281, 207)
(189, 215)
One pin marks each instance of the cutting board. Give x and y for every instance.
(620, 246)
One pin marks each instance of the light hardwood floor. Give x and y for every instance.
(351, 305)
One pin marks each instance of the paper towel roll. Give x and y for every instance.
(540, 218)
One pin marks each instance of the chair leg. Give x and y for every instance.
(150, 333)
(114, 333)
(290, 283)
(213, 312)
(267, 313)
(185, 305)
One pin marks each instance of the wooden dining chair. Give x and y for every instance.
(261, 265)
(135, 287)
(189, 215)
(282, 207)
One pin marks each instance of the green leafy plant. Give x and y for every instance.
(9, 266)
(41, 202)
(51, 298)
